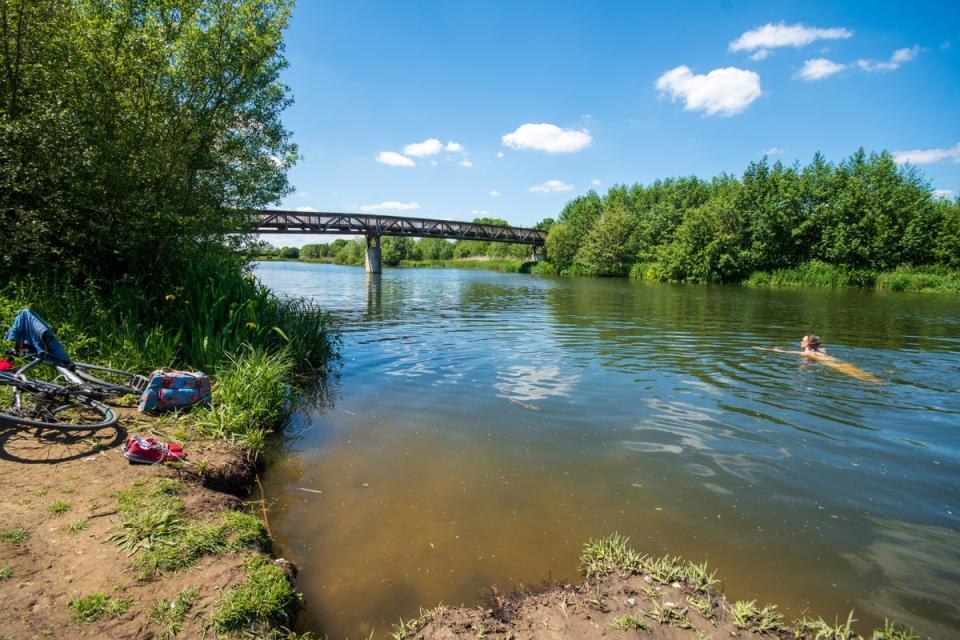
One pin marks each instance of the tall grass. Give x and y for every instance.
(197, 315)
(504, 265)
(820, 274)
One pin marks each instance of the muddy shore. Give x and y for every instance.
(67, 506)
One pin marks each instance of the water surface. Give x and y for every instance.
(485, 425)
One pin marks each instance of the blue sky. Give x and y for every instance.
(609, 93)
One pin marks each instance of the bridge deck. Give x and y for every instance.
(377, 225)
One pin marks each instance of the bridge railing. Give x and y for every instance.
(380, 225)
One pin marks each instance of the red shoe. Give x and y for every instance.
(149, 451)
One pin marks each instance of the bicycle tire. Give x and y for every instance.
(119, 383)
(50, 406)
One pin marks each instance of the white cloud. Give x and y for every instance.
(595, 182)
(390, 205)
(454, 147)
(303, 194)
(429, 147)
(547, 137)
(724, 92)
(943, 193)
(771, 36)
(466, 163)
(306, 209)
(773, 151)
(495, 194)
(928, 156)
(761, 54)
(550, 185)
(819, 68)
(480, 212)
(500, 154)
(395, 159)
(899, 57)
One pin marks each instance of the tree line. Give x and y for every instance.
(865, 213)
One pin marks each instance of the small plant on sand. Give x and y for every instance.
(95, 606)
(78, 526)
(265, 599)
(666, 570)
(170, 615)
(17, 535)
(819, 629)
(610, 555)
(626, 622)
(893, 631)
(60, 507)
(671, 614)
(6, 572)
(407, 628)
(703, 604)
(746, 615)
(39, 492)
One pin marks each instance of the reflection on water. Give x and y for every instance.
(487, 424)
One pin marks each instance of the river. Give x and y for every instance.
(485, 425)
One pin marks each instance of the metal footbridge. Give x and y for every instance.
(373, 226)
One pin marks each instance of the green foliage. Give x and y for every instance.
(290, 253)
(59, 507)
(17, 535)
(841, 224)
(502, 265)
(6, 572)
(170, 615)
(562, 246)
(266, 598)
(626, 622)
(250, 397)
(131, 131)
(154, 529)
(746, 615)
(95, 606)
(395, 249)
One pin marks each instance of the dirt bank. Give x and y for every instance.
(93, 547)
(627, 595)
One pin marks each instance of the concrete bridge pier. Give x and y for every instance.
(372, 261)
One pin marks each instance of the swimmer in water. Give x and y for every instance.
(813, 348)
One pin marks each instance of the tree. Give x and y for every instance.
(395, 249)
(133, 133)
(609, 249)
(561, 247)
(290, 253)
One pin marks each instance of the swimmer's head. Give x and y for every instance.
(811, 342)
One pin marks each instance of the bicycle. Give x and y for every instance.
(82, 375)
(41, 404)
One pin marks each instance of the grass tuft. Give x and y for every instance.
(626, 622)
(670, 614)
(170, 615)
(407, 628)
(60, 507)
(6, 572)
(893, 631)
(17, 535)
(77, 526)
(265, 599)
(819, 629)
(746, 615)
(610, 555)
(95, 606)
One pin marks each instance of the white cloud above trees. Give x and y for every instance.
(928, 156)
(550, 186)
(723, 92)
(547, 137)
(395, 159)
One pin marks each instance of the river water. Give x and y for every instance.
(485, 425)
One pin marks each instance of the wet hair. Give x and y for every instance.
(813, 341)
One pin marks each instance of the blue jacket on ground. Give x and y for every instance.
(32, 332)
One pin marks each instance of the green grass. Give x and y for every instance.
(668, 613)
(154, 529)
(820, 274)
(626, 622)
(746, 615)
(266, 599)
(95, 606)
(504, 265)
(408, 628)
(17, 535)
(892, 631)
(170, 615)
(250, 397)
(77, 526)
(614, 555)
(60, 507)
(6, 572)
(819, 629)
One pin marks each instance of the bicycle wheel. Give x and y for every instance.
(27, 403)
(110, 382)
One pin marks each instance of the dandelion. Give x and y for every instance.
(169, 297)
(251, 325)
(248, 277)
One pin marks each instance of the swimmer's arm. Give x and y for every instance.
(797, 353)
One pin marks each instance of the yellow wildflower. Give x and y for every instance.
(169, 297)
(251, 325)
